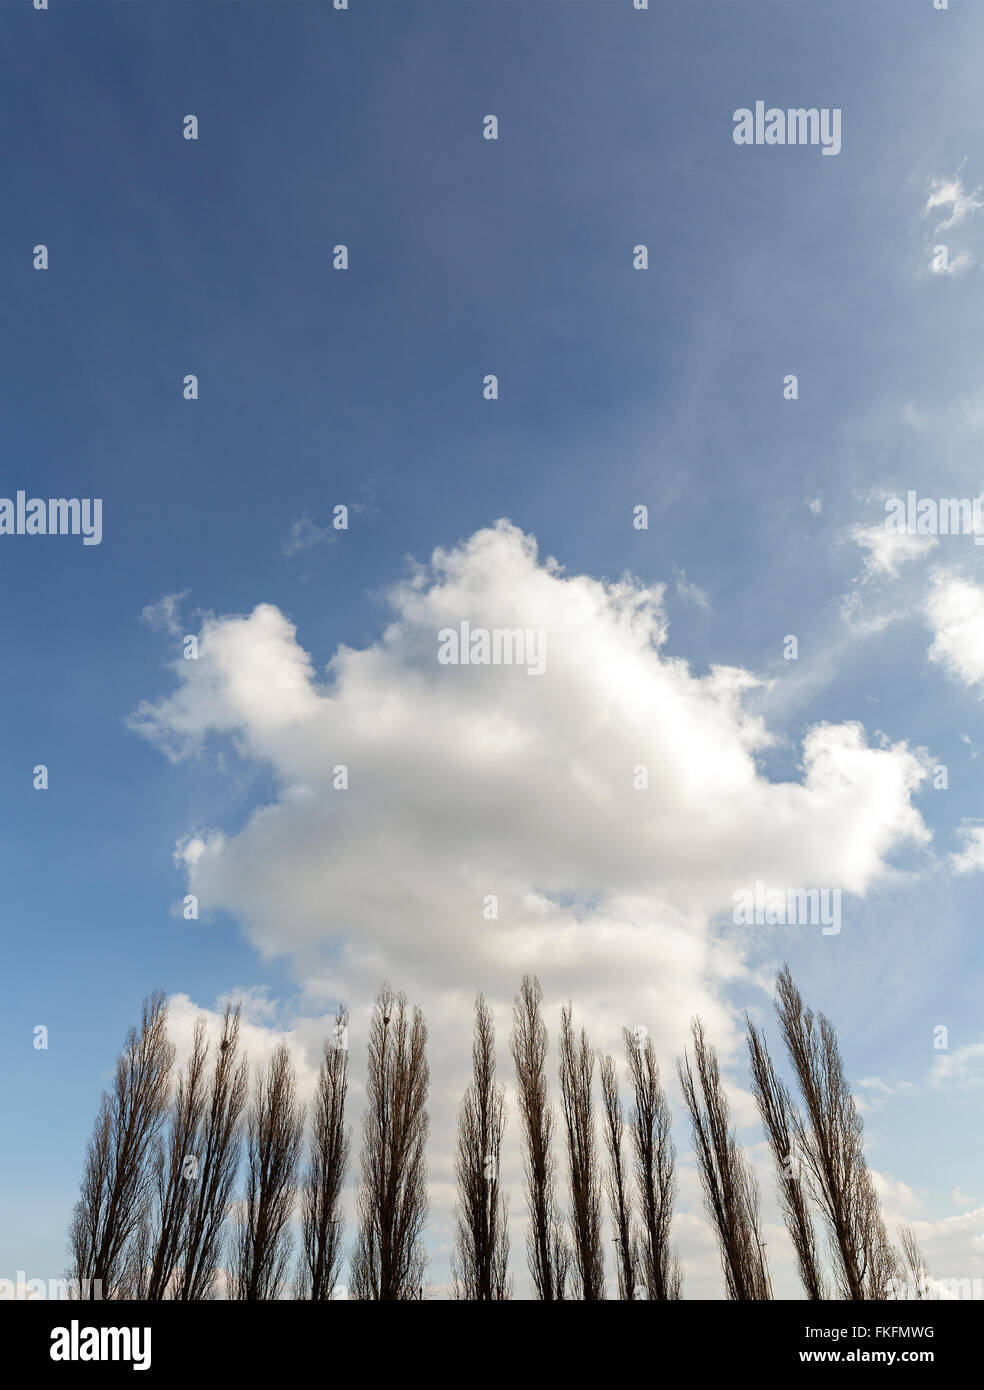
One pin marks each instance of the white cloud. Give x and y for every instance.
(964, 1066)
(954, 610)
(473, 781)
(953, 1247)
(304, 534)
(897, 1198)
(971, 857)
(873, 1092)
(165, 614)
(691, 593)
(950, 193)
(960, 204)
(888, 550)
(954, 1251)
(954, 265)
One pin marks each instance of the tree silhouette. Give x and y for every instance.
(388, 1261)
(481, 1239)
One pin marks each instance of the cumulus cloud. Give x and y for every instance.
(473, 784)
(465, 781)
(954, 610)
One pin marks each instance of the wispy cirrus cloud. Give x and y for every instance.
(951, 193)
(164, 615)
(304, 535)
(887, 551)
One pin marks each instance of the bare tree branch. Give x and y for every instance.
(730, 1189)
(388, 1262)
(321, 1225)
(617, 1192)
(830, 1139)
(775, 1107)
(275, 1132)
(480, 1257)
(655, 1162)
(218, 1165)
(576, 1075)
(117, 1185)
(547, 1253)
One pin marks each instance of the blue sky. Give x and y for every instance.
(364, 387)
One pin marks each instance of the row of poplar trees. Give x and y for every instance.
(160, 1215)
